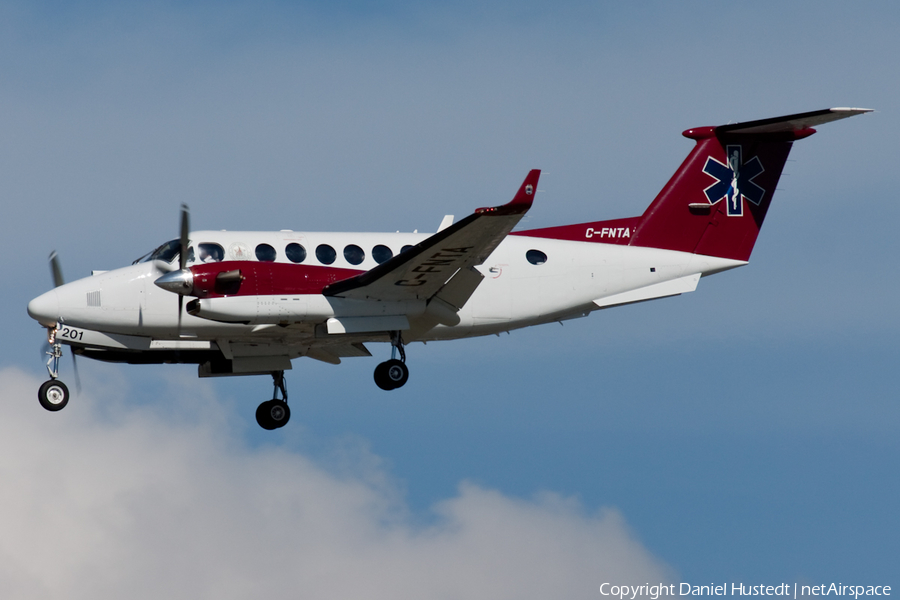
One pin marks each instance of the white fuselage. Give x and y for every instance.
(576, 278)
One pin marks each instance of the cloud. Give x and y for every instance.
(111, 500)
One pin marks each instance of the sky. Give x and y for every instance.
(746, 432)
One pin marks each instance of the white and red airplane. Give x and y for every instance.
(257, 300)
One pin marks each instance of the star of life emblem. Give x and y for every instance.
(734, 181)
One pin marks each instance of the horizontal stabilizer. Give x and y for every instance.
(673, 287)
(789, 123)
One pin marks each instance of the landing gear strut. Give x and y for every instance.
(53, 394)
(393, 373)
(275, 413)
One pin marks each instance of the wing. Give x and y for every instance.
(423, 270)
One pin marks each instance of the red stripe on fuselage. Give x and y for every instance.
(266, 279)
(616, 231)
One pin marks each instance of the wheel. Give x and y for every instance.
(273, 414)
(397, 372)
(53, 395)
(279, 413)
(391, 374)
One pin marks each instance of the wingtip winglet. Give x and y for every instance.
(523, 199)
(525, 195)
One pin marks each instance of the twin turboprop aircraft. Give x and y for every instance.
(248, 303)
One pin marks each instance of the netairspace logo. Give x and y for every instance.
(654, 592)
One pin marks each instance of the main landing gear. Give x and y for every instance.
(393, 373)
(53, 394)
(275, 413)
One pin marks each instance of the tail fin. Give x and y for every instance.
(716, 202)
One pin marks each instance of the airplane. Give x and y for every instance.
(249, 302)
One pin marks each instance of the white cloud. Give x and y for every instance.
(106, 500)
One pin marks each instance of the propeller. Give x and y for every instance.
(183, 255)
(55, 271)
(58, 280)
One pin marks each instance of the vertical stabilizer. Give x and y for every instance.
(716, 202)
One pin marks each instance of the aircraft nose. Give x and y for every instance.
(45, 309)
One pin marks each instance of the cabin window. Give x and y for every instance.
(326, 254)
(295, 253)
(536, 257)
(354, 254)
(382, 253)
(209, 253)
(405, 248)
(265, 253)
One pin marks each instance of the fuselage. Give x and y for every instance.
(527, 281)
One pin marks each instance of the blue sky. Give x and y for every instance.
(747, 431)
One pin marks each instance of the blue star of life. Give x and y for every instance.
(734, 181)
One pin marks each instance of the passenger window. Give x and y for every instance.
(265, 253)
(295, 253)
(210, 253)
(354, 254)
(326, 254)
(190, 257)
(405, 248)
(536, 257)
(382, 253)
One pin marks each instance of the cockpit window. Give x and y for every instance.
(166, 253)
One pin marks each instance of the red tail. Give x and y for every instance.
(716, 202)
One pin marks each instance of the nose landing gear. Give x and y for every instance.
(275, 413)
(393, 373)
(53, 394)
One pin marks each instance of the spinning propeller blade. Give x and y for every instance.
(55, 271)
(183, 255)
(185, 230)
(77, 377)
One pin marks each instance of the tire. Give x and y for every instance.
(273, 414)
(381, 377)
(53, 395)
(263, 417)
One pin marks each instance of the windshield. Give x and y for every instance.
(167, 252)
